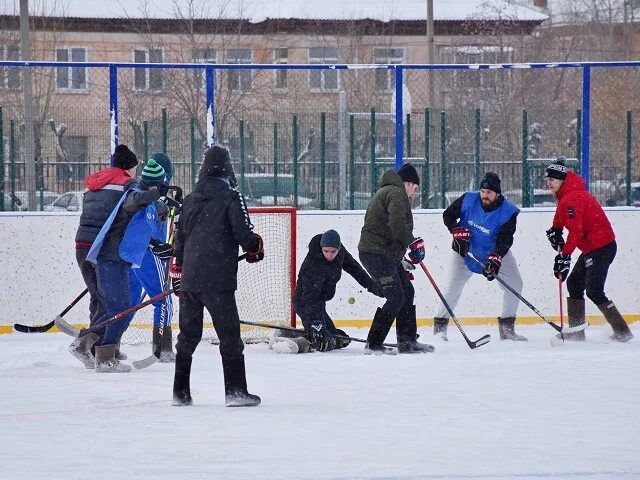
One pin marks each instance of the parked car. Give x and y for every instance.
(620, 198)
(67, 202)
(10, 205)
(259, 191)
(43, 198)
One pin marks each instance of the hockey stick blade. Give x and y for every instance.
(145, 362)
(33, 329)
(481, 341)
(65, 327)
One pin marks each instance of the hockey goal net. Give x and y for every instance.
(265, 289)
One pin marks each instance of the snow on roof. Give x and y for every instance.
(259, 10)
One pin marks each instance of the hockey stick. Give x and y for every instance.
(561, 309)
(300, 330)
(75, 332)
(558, 328)
(45, 328)
(478, 343)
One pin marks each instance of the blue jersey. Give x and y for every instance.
(484, 226)
(142, 227)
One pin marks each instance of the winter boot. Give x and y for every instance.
(507, 331)
(380, 327)
(106, 361)
(440, 328)
(181, 381)
(621, 332)
(406, 329)
(119, 354)
(81, 349)
(575, 312)
(289, 345)
(235, 384)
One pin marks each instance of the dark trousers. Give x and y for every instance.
(113, 285)
(392, 278)
(88, 271)
(224, 313)
(590, 274)
(321, 315)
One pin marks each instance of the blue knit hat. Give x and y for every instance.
(330, 239)
(152, 173)
(163, 160)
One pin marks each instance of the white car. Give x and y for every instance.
(67, 202)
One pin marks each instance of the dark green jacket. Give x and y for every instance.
(388, 223)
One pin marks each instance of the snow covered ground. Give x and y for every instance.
(503, 411)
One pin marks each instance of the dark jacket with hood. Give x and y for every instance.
(213, 223)
(388, 223)
(318, 277)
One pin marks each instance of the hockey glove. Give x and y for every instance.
(416, 251)
(375, 289)
(175, 274)
(171, 203)
(561, 266)
(163, 189)
(258, 254)
(461, 239)
(163, 251)
(555, 238)
(342, 342)
(317, 336)
(408, 267)
(492, 266)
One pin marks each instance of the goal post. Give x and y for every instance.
(265, 289)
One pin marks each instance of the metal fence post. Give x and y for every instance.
(372, 150)
(192, 148)
(165, 134)
(294, 132)
(323, 120)
(408, 117)
(12, 161)
(352, 162)
(145, 139)
(242, 158)
(628, 167)
(578, 142)
(276, 153)
(425, 167)
(477, 150)
(113, 106)
(1, 161)
(443, 159)
(586, 112)
(526, 177)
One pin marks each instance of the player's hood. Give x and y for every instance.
(573, 183)
(391, 177)
(108, 176)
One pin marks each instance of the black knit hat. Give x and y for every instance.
(491, 181)
(124, 158)
(216, 163)
(408, 173)
(330, 239)
(558, 169)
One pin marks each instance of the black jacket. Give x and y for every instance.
(318, 277)
(213, 223)
(504, 240)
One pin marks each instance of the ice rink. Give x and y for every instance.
(503, 411)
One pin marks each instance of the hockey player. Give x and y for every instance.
(319, 274)
(113, 264)
(484, 223)
(590, 232)
(105, 188)
(213, 223)
(385, 237)
(152, 272)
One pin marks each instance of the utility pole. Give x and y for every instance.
(431, 54)
(29, 143)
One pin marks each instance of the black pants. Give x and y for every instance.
(224, 313)
(392, 278)
(590, 274)
(97, 305)
(321, 316)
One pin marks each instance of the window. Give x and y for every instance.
(386, 79)
(281, 56)
(10, 77)
(240, 80)
(204, 55)
(71, 78)
(476, 54)
(148, 78)
(323, 79)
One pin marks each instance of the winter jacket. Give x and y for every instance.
(388, 223)
(578, 211)
(318, 277)
(213, 223)
(104, 191)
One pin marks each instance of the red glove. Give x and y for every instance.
(416, 251)
(175, 274)
(258, 254)
(492, 266)
(461, 239)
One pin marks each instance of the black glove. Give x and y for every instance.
(258, 254)
(175, 274)
(408, 267)
(561, 266)
(461, 239)
(317, 336)
(171, 203)
(416, 251)
(163, 189)
(342, 342)
(492, 266)
(555, 238)
(375, 289)
(163, 251)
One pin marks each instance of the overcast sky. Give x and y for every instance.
(258, 10)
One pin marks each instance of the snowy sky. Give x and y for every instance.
(258, 10)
